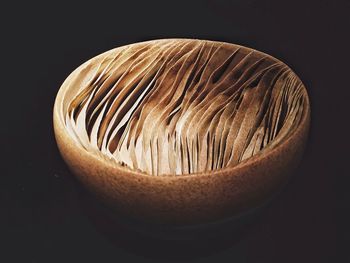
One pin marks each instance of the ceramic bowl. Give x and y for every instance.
(182, 131)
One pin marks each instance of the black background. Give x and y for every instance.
(42, 218)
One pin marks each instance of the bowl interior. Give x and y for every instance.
(181, 106)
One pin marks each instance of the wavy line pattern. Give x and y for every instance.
(184, 106)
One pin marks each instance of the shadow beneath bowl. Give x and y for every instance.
(163, 241)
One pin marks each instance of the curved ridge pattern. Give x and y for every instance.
(183, 106)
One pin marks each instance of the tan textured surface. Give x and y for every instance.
(205, 194)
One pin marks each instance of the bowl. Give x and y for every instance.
(182, 132)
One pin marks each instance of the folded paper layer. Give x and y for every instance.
(182, 106)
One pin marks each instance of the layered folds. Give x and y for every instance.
(182, 106)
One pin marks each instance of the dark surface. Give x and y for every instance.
(46, 217)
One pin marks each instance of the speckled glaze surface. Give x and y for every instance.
(184, 199)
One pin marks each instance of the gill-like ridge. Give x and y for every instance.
(183, 107)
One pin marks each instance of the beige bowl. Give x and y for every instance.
(182, 131)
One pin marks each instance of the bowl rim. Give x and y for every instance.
(118, 169)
